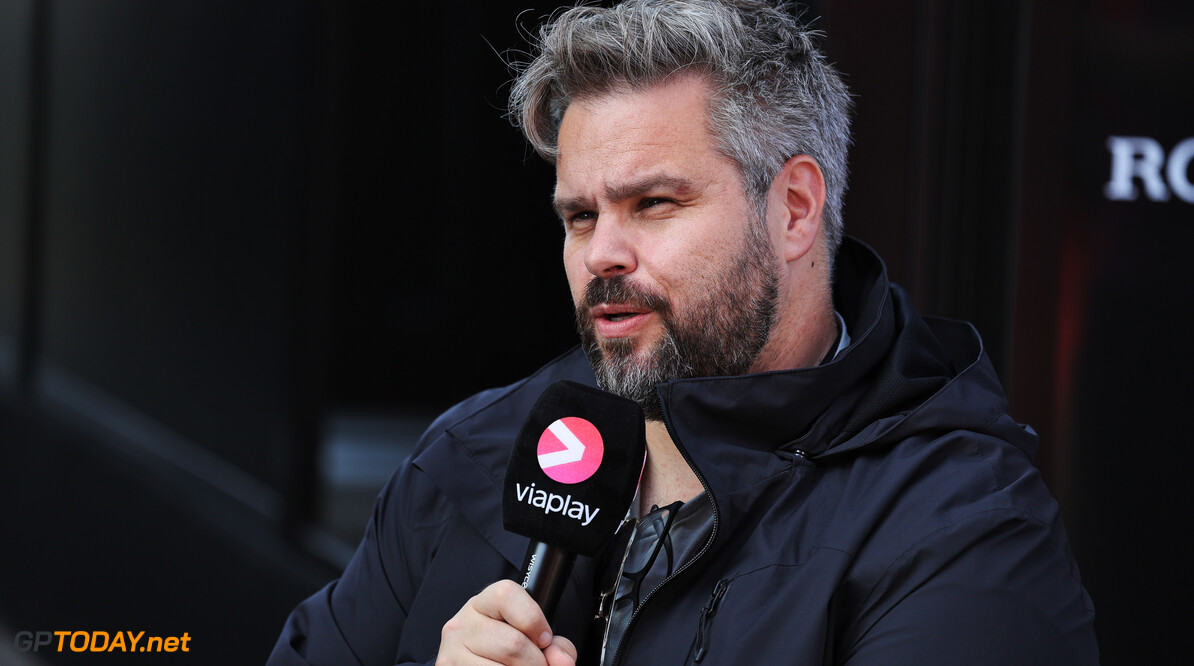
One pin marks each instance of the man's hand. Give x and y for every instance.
(503, 624)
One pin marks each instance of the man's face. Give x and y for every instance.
(670, 266)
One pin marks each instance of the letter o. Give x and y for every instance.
(1177, 170)
(86, 641)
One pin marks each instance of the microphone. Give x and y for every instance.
(571, 478)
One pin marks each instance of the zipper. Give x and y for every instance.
(704, 549)
(700, 646)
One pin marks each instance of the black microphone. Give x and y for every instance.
(571, 478)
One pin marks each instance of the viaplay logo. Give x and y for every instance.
(570, 450)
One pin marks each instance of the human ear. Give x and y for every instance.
(798, 194)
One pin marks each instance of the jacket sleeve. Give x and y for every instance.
(359, 618)
(999, 587)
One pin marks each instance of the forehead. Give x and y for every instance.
(683, 100)
(631, 134)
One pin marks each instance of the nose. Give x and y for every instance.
(610, 250)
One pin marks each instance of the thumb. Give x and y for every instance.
(561, 652)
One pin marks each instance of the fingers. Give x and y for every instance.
(503, 624)
(505, 600)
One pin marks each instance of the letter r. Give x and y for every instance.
(1125, 166)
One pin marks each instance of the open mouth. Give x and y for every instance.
(621, 316)
(617, 312)
(620, 320)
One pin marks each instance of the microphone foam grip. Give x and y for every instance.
(575, 467)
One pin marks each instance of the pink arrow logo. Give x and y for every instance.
(570, 450)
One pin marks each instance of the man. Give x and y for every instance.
(830, 477)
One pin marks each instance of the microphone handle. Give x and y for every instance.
(545, 574)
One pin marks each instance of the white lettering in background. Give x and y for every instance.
(1142, 158)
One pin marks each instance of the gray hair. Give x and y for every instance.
(774, 94)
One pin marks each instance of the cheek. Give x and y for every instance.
(574, 269)
(686, 258)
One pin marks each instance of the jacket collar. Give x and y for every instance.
(901, 374)
(775, 410)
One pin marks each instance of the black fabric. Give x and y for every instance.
(879, 509)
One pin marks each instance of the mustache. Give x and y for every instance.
(621, 290)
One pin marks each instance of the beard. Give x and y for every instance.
(719, 334)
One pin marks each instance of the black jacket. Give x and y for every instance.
(882, 508)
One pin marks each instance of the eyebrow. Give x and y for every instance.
(622, 192)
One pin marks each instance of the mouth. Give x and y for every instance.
(617, 308)
(615, 313)
(619, 320)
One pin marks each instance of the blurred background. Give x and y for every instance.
(249, 248)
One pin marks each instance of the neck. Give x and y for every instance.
(667, 476)
(806, 326)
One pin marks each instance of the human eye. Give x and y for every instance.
(656, 205)
(579, 221)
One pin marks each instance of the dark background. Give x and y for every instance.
(249, 248)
